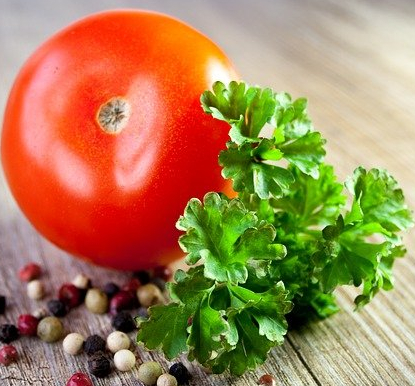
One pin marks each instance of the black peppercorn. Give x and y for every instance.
(8, 333)
(159, 282)
(99, 365)
(143, 312)
(143, 276)
(111, 289)
(123, 321)
(2, 304)
(57, 308)
(180, 372)
(93, 344)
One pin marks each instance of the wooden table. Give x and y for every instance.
(355, 61)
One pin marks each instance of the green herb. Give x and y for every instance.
(280, 249)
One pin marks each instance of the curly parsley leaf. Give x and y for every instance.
(378, 199)
(250, 157)
(226, 236)
(311, 201)
(257, 324)
(167, 324)
(253, 176)
(349, 253)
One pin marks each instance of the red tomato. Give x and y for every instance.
(104, 140)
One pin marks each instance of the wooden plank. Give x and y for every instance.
(354, 62)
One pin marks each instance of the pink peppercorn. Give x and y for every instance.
(267, 380)
(79, 379)
(27, 324)
(70, 295)
(163, 272)
(8, 354)
(122, 300)
(30, 272)
(131, 285)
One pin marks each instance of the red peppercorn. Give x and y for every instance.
(30, 272)
(132, 285)
(70, 295)
(163, 272)
(123, 300)
(79, 379)
(27, 324)
(267, 380)
(8, 354)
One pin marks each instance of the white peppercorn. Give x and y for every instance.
(117, 341)
(166, 380)
(149, 295)
(50, 329)
(148, 373)
(40, 313)
(73, 343)
(124, 360)
(81, 281)
(96, 301)
(35, 290)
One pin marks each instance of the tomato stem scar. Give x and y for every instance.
(113, 115)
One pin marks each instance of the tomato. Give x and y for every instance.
(104, 140)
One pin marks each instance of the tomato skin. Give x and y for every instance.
(113, 199)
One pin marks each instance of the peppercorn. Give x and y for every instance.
(143, 276)
(148, 373)
(79, 379)
(2, 304)
(111, 289)
(117, 341)
(73, 343)
(40, 313)
(180, 372)
(143, 312)
(57, 308)
(131, 285)
(123, 321)
(93, 344)
(149, 295)
(99, 365)
(159, 282)
(27, 324)
(267, 380)
(35, 290)
(82, 281)
(8, 354)
(50, 329)
(70, 295)
(96, 301)
(30, 272)
(166, 380)
(163, 272)
(8, 333)
(124, 360)
(123, 300)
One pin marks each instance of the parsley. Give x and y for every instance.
(278, 251)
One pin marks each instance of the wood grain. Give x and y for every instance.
(354, 61)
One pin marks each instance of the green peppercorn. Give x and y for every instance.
(50, 329)
(96, 301)
(148, 373)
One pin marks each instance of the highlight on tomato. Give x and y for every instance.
(104, 140)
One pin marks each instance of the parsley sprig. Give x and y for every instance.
(278, 250)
